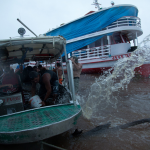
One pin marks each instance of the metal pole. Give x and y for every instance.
(136, 38)
(72, 82)
(27, 27)
(62, 68)
(134, 42)
(102, 46)
(55, 68)
(69, 81)
(65, 53)
(70, 76)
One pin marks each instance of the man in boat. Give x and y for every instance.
(35, 68)
(26, 72)
(11, 78)
(77, 68)
(18, 68)
(58, 70)
(49, 83)
(40, 67)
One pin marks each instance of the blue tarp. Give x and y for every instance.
(90, 24)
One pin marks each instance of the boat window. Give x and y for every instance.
(112, 40)
(92, 45)
(98, 43)
(63, 59)
(117, 39)
(125, 38)
(85, 47)
(105, 41)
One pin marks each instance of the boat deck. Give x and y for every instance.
(37, 118)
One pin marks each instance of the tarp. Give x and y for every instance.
(90, 24)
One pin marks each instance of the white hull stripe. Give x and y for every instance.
(132, 28)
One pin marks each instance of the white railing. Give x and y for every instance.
(101, 51)
(125, 21)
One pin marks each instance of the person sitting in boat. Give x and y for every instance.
(48, 84)
(41, 68)
(26, 72)
(77, 68)
(10, 78)
(58, 69)
(18, 68)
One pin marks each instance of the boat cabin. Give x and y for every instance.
(23, 50)
(116, 39)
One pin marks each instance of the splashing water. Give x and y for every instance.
(100, 95)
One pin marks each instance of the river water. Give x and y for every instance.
(133, 103)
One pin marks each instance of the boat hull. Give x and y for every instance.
(100, 65)
(42, 129)
(143, 71)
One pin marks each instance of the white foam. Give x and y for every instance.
(100, 95)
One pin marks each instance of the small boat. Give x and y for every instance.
(18, 125)
(102, 37)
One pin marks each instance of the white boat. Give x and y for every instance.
(18, 125)
(100, 38)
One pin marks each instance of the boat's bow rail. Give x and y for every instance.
(125, 21)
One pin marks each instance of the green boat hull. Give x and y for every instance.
(37, 124)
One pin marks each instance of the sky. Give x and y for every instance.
(42, 15)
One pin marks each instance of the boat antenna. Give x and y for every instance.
(96, 4)
(26, 27)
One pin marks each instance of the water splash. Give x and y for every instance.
(100, 95)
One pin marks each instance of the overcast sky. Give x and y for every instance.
(42, 15)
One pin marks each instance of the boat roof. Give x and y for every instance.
(21, 50)
(103, 9)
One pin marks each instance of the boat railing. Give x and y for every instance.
(125, 21)
(100, 51)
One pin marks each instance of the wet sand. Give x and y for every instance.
(132, 104)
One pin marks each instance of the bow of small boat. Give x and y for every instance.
(37, 124)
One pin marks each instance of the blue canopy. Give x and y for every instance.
(91, 23)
